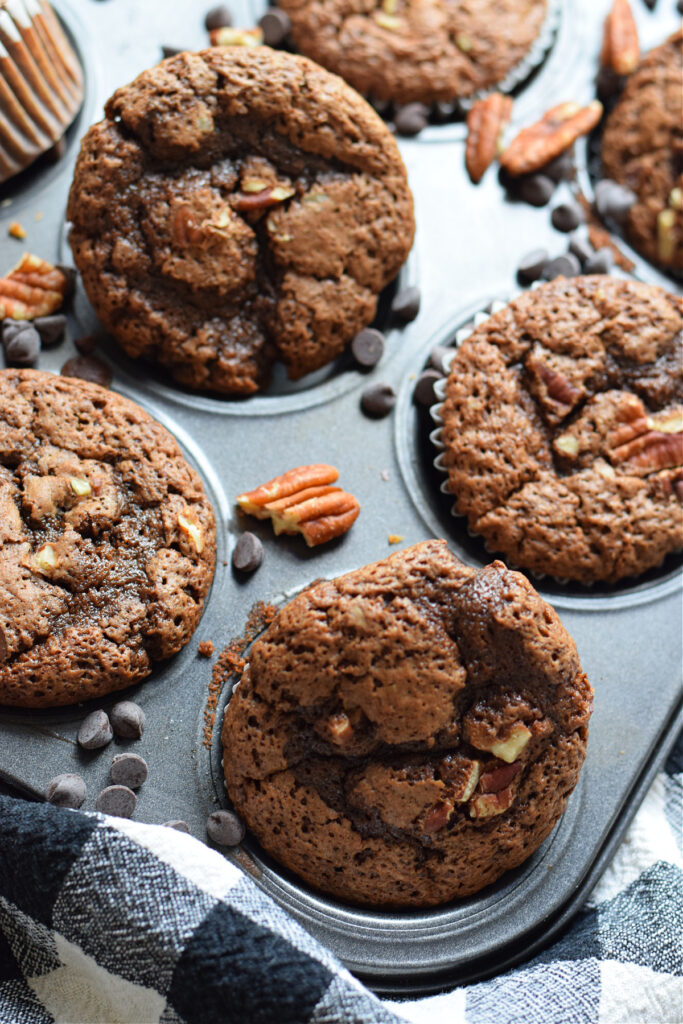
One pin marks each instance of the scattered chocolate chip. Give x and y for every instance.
(218, 17)
(87, 344)
(248, 553)
(411, 119)
(128, 770)
(50, 328)
(275, 25)
(444, 111)
(679, 6)
(12, 327)
(66, 791)
(566, 265)
(440, 358)
(530, 267)
(381, 106)
(178, 825)
(70, 275)
(95, 731)
(378, 400)
(117, 800)
(56, 152)
(536, 189)
(613, 201)
(561, 168)
(608, 84)
(88, 368)
(600, 262)
(650, 4)
(23, 347)
(405, 304)
(581, 248)
(170, 51)
(367, 348)
(225, 828)
(127, 720)
(424, 388)
(567, 217)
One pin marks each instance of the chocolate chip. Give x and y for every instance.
(581, 248)
(10, 328)
(411, 119)
(88, 368)
(613, 200)
(600, 262)
(424, 389)
(50, 328)
(536, 189)
(127, 720)
(440, 358)
(650, 4)
(225, 828)
(444, 111)
(128, 770)
(178, 825)
(566, 265)
(608, 84)
(248, 553)
(95, 731)
(367, 348)
(679, 6)
(276, 26)
(117, 800)
(381, 106)
(23, 347)
(405, 304)
(561, 168)
(170, 51)
(530, 267)
(378, 400)
(66, 791)
(87, 344)
(567, 217)
(70, 275)
(218, 17)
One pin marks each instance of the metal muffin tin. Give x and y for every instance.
(629, 638)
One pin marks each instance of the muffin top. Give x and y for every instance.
(416, 50)
(107, 541)
(407, 732)
(563, 429)
(236, 206)
(642, 147)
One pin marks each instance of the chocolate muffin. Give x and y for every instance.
(563, 429)
(408, 732)
(422, 51)
(107, 541)
(236, 206)
(642, 148)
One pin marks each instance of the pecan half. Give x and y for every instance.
(541, 142)
(620, 47)
(34, 288)
(632, 421)
(652, 451)
(486, 122)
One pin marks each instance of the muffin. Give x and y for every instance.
(107, 541)
(642, 148)
(41, 83)
(408, 732)
(424, 51)
(562, 428)
(238, 206)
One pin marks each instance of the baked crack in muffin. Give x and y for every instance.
(238, 206)
(416, 50)
(642, 148)
(563, 429)
(107, 541)
(408, 732)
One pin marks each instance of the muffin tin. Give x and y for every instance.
(468, 243)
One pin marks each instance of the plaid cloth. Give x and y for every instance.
(108, 920)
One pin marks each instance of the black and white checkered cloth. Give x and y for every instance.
(106, 920)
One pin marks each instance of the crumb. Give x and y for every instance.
(6, 202)
(15, 230)
(38, 216)
(384, 474)
(412, 376)
(395, 538)
(205, 649)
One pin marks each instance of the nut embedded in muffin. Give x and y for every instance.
(408, 732)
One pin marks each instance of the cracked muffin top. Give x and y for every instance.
(416, 50)
(234, 207)
(408, 732)
(107, 541)
(642, 147)
(563, 429)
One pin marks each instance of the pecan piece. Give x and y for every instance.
(33, 288)
(652, 451)
(486, 122)
(541, 142)
(507, 745)
(261, 198)
(632, 421)
(229, 36)
(486, 805)
(190, 526)
(438, 817)
(620, 47)
(499, 777)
